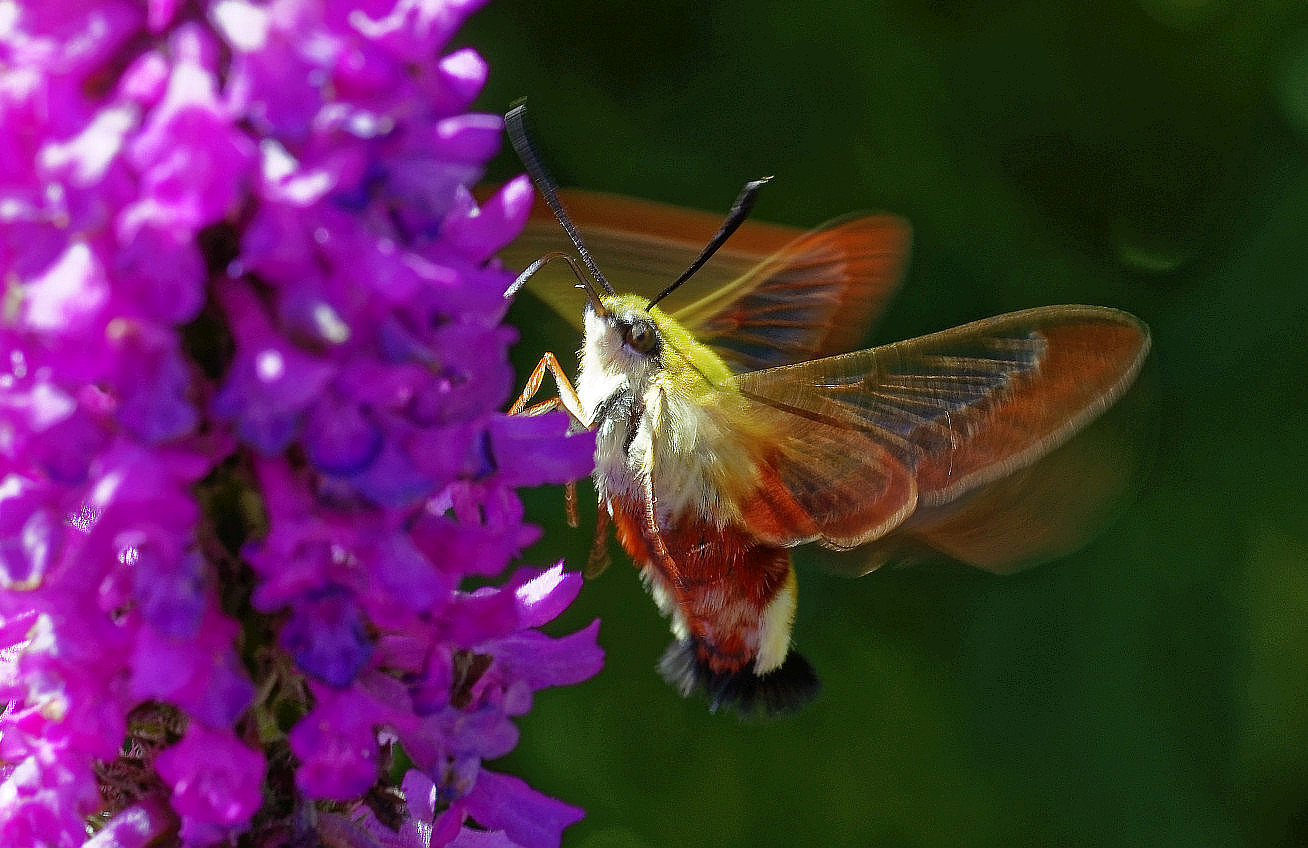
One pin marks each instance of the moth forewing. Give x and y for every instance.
(970, 410)
(1088, 356)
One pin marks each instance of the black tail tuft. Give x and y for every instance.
(782, 690)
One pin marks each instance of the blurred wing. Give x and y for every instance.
(641, 246)
(772, 295)
(1047, 509)
(872, 440)
(815, 297)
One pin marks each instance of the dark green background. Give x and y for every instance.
(1152, 155)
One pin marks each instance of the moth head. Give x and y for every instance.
(624, 336)
(628, 336)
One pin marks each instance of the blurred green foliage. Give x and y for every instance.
(1147, 154)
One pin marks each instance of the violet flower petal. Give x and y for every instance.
(326, 636)
(542, 597)
(139, 826)
(515, 442)
(542, 660)
(530, 819)
(212, 776)
(337, 745)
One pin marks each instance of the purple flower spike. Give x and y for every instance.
(479, 232)
(202, 675)
(470, 138)
(341, 437)
(161, 274)
(29, 535)
(512, 438)
(45, 800)
(192, 157)
(252, 441)
(272, 382)
(541, 661)
(462, 74)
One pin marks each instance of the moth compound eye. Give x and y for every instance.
(640, 336)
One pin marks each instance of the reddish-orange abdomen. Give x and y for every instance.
(721, 579)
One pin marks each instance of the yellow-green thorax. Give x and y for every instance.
(665, 412)
(692, 364)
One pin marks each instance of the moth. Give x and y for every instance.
(739, 425)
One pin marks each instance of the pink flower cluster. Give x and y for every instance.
(251, 362)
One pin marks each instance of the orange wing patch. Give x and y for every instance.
(815, 297)
(829, 484)
(1085, 366)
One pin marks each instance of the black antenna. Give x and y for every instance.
(516, 124)
(739, 212)
(582, 282)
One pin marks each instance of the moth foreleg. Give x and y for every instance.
(598, 559)
(567, 398)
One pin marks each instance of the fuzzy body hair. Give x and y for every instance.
(675, 458)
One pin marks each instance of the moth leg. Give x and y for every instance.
(597, 562)
(570, 503)
(652, 531)
(654, 535)
(567, 398)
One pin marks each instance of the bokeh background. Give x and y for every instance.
(1151, 690)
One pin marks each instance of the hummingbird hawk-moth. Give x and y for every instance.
(739, 425)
